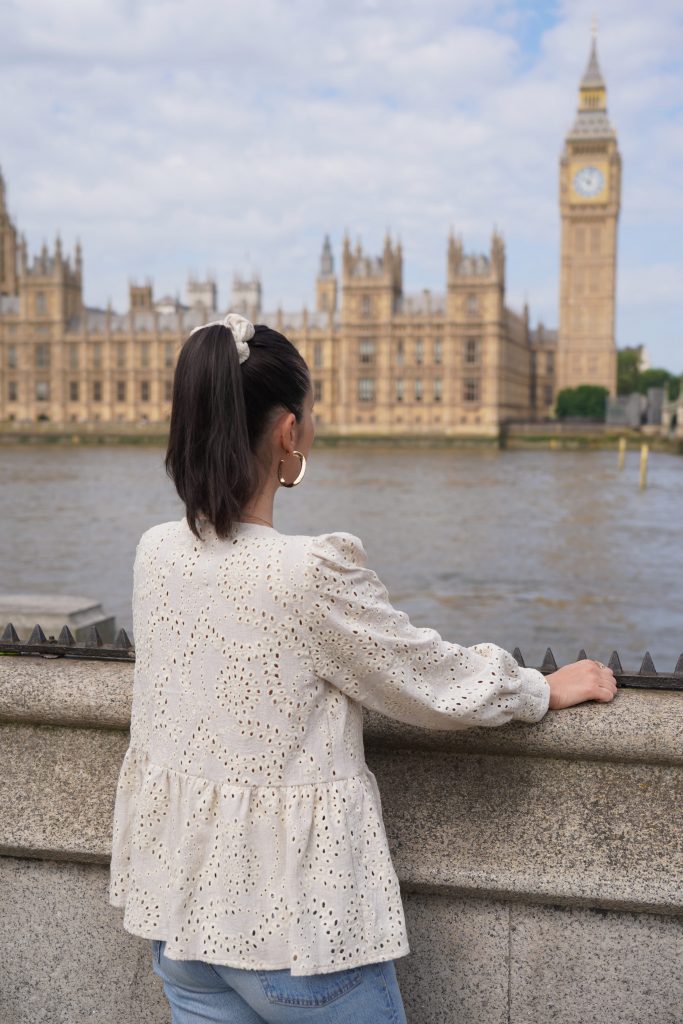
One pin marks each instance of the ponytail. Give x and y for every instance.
(220, 411)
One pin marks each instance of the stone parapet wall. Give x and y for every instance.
(541, 865)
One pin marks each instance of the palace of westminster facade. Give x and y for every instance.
(382, 362)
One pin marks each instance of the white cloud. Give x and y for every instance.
(174, 137)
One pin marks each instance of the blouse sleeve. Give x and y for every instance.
(372, 652)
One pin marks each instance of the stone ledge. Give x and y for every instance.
(538, 829)
(643, 726)
(637, 726)
(66, 691)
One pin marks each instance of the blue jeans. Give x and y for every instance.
(199, 991)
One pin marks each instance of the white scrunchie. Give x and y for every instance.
(242, 331)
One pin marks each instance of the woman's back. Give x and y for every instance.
(247, 827)
(224, 683)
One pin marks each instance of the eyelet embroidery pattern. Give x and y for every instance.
(247, 827)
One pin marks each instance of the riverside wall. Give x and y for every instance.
(541, 865)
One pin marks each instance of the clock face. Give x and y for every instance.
(589, 182)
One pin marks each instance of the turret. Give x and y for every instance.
(247, 296)
(498, 256)
(8, 248)
(326, 283)
(372, 286)
(476, 282)
(140, 296)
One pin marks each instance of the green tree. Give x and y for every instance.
(656, 378)
(587, 402)
(627, 370)
(630, 378)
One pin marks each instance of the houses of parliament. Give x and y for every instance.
(383, 362)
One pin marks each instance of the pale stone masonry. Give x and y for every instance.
(455, 363)
(590, 188)
(540, 865)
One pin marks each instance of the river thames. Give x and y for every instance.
(520, 548)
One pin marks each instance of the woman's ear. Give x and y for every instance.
(287, 438)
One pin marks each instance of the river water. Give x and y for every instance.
(526, 548)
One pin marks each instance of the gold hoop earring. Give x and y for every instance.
(302, 460)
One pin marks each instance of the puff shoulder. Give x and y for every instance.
(339, 550)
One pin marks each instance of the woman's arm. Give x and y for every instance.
(372, 652)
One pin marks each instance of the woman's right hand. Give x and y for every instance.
(581, 680)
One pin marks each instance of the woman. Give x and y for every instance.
(248, 843)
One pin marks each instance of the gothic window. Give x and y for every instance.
(472, 303)
(42, 354)
(438, 389)
(11, 357)
(120, 357)
(419, 351)
(144, 391)
(318, 355)
(470, 389)
(579, 238)
(596, 240)
(418, 389)
(366, 350)
(120, 391)
(399, 390)
(366, 389)
(73, 357)
(97, 356)
(366, 305)
(472, 351)
(73, 390)
(12, 391)
(548, 394)
(550, 362)
(97, 391)
(41, 304)
(144, 354)
(399, 353)
(317, 390)
(168, 355)
(168, 390)
(578, 280)
(42, 390)
(438, 351)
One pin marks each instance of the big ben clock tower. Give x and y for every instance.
(590, 184)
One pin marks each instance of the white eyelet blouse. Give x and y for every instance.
(247, 827)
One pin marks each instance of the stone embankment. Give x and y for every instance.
(541, 865)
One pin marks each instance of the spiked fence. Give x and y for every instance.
(646, 678)
(93, 648)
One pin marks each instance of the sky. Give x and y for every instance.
(229, 136)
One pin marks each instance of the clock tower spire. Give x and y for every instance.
(590, 187)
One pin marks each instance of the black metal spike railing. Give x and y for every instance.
(646, 678)
(94, 649)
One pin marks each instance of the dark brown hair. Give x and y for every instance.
(220, 411)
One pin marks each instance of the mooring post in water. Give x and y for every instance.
(644, 449)
(622, 452)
